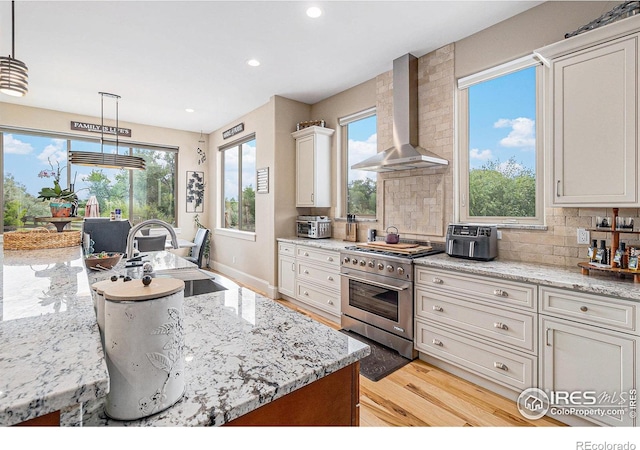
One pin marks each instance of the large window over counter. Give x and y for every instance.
(359, 138)
(32, 161)
(238, 185)
(500, 145)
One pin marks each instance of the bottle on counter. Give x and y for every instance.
(593, 249)
(601, 254)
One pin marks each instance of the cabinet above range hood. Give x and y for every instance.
(405, 154)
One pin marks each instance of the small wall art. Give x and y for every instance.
(195, 191)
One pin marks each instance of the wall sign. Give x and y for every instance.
(95, 128)
(263, 180)
(233, 131)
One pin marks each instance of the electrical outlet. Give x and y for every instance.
(499, 235)
(583, 236)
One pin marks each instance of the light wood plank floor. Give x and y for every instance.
(420, 394)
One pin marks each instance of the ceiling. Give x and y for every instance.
(162, 57)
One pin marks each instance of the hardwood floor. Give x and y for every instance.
(420, 395)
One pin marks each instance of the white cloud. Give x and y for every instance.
(56, 152)
(522, 132)
(15, 146)
(359, 151)
(482, 155)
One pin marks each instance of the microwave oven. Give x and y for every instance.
(313, 227)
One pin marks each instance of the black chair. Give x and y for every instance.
(197, 253)
(107, 235)
(151, 243)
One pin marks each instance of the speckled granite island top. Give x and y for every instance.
(560, 277)
(242, 350)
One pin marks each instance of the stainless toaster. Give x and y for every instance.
(472, 241)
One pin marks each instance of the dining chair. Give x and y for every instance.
(197, 252)
(151, 243)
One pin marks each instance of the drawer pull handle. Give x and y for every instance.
(330, 278)
(437, 342)
(437, 308)
(500, 293)
(501, 366)
(306, 254)
(501, 326)
(584, 309)
(330, 259)
(306, 272)
(437, 281)
(330, 302)
(305, 293)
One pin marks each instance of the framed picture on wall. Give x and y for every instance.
(195, 191)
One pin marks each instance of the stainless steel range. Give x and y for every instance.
(377, 295)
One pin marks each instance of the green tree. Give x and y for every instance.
(249, 209)
(361, 197)
(507, 190)
(19, 204)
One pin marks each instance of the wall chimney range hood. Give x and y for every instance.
(405, 154)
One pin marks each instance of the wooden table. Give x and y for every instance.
(59, 222)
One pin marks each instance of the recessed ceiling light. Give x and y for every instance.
(189, 110)
(253, 62)
(314, 12)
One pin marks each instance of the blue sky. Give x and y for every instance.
(502, 119)
(363, 143)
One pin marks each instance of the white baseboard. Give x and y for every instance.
(254, 283)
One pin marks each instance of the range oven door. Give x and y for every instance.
(380, 301)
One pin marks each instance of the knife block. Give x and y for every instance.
(351, 231)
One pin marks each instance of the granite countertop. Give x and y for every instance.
(546, 275)
(50, 353)
(242, 350)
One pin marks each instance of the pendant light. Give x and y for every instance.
(107, 160)
(13, 72)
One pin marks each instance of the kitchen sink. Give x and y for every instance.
(196, 281)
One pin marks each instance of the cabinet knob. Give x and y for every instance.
(501, 366)
(437, 308)
(584, 309)
(501, 326)
(436, 281)
(306, 254)
(330, 278)
(500, 293)
(306, 272)
(437, 342)
(329, 258)
(330, 302)
(305, 293)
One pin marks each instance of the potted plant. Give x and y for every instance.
(61, 201)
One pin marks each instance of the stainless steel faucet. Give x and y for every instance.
(134, 230)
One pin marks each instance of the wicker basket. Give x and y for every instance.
(38, 238)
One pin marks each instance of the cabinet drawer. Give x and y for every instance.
(285, 248)
(513, 328)
(503, 367)
(318, 255)
(325, 299)
(493, 290)
(588, 308)
(326, 277)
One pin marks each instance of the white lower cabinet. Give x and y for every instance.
(310, 276)
(482, 325)
(589, 344)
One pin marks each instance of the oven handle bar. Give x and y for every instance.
(375, 283)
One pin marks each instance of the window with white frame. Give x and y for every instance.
(500, 145)
(238, 185)
(359, 141)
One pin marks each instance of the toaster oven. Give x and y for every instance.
(478, 242)
(313, 227)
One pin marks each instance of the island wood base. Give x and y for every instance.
(331, 401)
(47, 420)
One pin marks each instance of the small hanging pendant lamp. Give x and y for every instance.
(13, 72)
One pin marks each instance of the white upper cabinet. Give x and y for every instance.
(592, 117)
(313, 166)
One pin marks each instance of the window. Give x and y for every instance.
(239, 181)
(29, 157)
(360, 141)
(500, 156)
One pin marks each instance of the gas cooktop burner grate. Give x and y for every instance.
(436, 249)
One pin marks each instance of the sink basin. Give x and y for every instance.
(196, 281)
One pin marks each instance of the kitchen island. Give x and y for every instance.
(244, 353)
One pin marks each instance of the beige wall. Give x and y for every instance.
(14, 115)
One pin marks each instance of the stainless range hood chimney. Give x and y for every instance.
(405, 154)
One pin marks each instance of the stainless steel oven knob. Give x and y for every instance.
(363, 262)
(390, 268)
(346, 260)
(371, 264)
(380, 266)
(400, 270)
(354, 261)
